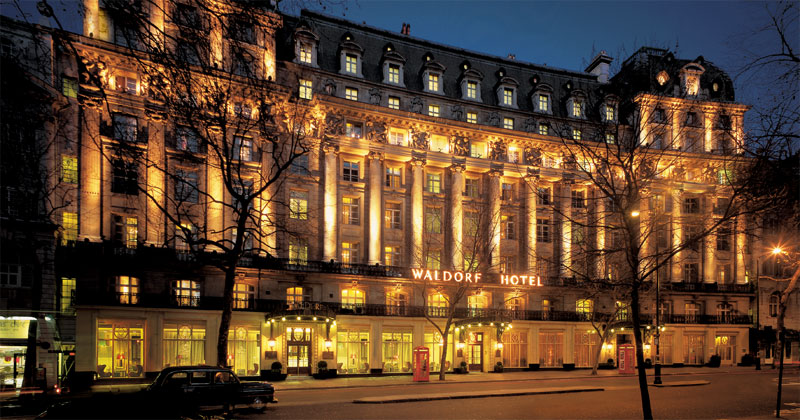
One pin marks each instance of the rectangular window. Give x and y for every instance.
(354, 130)
(577, 110)
(298, 205)
(508, 123)
(472, 117)
(67, 297)
(392, 216)
(433, 110)
(120, 349)
(396, 352)
(186, 139)
(507, 192)
(433, 220)
(394, 102)
(610, 114)
(543, 196)
(477, 149)
(691, 205)
(125, 178)
(69, 169)
(434, 183)
(470, 224)
(508, 228)
(243, 296)
(351, 94)
(350, 211)
(305, 53)
(186, 292)
(578, 199)
(352, 350)
(128, 290)
(393, 177)
(397, 137)
(350, 171)
(126, 84)
(306, 91)
(576, 134)
(299, 165)
(543, 230)
(551, 349)
(471, 187)
(515, 349)
(69, 224)
(184, 345)
(125, 231)
(610, 138)
(391, 256)
(433, 259)
(433, 82)
(544, 103)
(349, 253)
(394, 73)
(543, 129)
(69, 87)
(472, 90)
(724, 238)
(242, 149)
(298, 251)
(125, 128)
(508, 96)
(11, 273)
(351, 63)
(691, 273)
(186, 190)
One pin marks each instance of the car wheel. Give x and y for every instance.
(258, 404)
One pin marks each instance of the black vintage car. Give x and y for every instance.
(197, 387)
(178, 392)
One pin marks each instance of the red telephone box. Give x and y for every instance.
(626, 359)
(422, 367)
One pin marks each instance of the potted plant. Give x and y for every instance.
(323, 372)
(498, 367)
(462, 369)
(714, 361)
(274, 374)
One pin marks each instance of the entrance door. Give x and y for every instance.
(475, 361)
(726, 349)
(298, 346)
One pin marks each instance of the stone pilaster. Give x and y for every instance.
(330, 202)
(565, 267)
(494, 219)
(375, 204)
(531, 201)
(677, 234)
(91, 165)
(417, 210)
(457, 215)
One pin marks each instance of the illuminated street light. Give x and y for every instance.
(777, 250)
(635, 213)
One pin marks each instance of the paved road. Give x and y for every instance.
(733, 395)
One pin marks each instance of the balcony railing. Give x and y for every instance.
(708, 287)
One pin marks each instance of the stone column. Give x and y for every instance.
(740, 244)
(375, 201)
(644, 123)
(677, 234)
(678, 134)
(566, 230)
(709, 243)
(330, 200)
(215, 189)
(531, 201)
(417, 211)
(738, 132)
(457, 219)
(602, 219)
(708, 132)
(156, 182)
(494, 219)
(91, 164)
(90, 24)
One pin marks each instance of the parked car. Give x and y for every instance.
(194, 387)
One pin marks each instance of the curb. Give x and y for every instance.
(465, 395)
(682, 383)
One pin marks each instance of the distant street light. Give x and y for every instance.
(635, 213)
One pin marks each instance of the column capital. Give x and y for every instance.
(418, 158)
(496, 169)
(329, 147)
(155, 112)
(458, 166)
(375, 155)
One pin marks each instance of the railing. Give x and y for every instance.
(707, 319)
(708, 287)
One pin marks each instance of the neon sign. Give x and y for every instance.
(444, 275)
(515, 280)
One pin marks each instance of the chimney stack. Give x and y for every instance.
(600, 66)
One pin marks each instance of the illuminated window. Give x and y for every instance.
(125, 231)
(69, 87)
(508, 123)
(242, 149)
(472, 117)
(186, 292)
(350, 252)
(350, 211)
(515, 302)
(476, 304)
(120, 348)
(352, 350)
(296, 296)
(353, 129)
(305, 53)
(298, 205)
(507, 264)
(610, 138)
(393, 218)
(471, 187)
(692, 85)
(576, 134)
(393, 177)
(584, 306)
(433, 219)
(352, 298)
(508, 97)
(477, 149)
(610, 113)
(69, 226)
(396, 352)
(507, 192)
(184, 237)
(544, 103)
(433, 82)
(774, 299)
(472, 90)
(543, 129)
(244, 350)
(69, 169)
(433, 259)
(543, 230)
(394, 102)
(67, 297)
(126, 84)
(351, 63)
(437, 304)
(394, 73)
(433, 110)
(392, 256)
(434, 183)
(350, 171)
(306, 89)
(184, 345)
(351, 94)
(508, 228)
(243, 296)
(128, 290)
(577, 108)
(298, 251)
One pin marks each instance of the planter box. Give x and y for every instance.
(569, 366)
(325, 374)
(533, 366)
(271, 376)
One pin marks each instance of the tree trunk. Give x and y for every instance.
(647, 412)
(443, 357)
(779, 355)
(227, 313)
(598, 352)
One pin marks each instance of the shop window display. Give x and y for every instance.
(244, 350)
(352, 351)
(433, 341)
(396, 352)
(120, 348)
(184, 345)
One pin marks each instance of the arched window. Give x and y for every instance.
(773, 304)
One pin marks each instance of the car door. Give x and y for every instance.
(201, 389)
(224, 388)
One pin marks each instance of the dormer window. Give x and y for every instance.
(690, 78)
(392, 66)
(433, 82)
(305, 48)
(507, 91)
(350, 56)
(610, 113)
(471, 83)
(577, 108)
(351, 63)
(541, 99)
(692, 85)
(394, 73)
(544, 103)
(576, 105)
(432, 72)
(472, 90)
